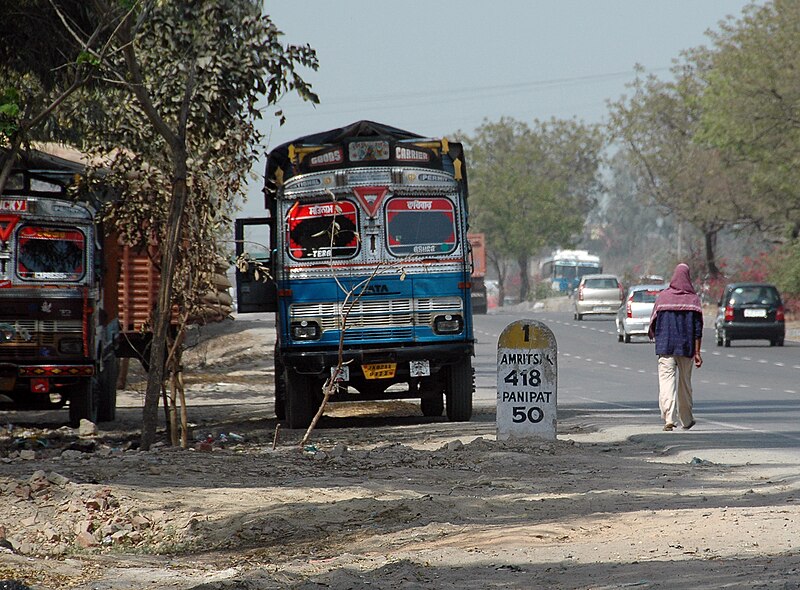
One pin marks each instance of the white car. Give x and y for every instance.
(633, 317)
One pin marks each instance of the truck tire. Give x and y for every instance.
(431, 397)
(300, 396)
(83, 402)
(280, 388)
(432, 406)
(107, 402)
(460, 385)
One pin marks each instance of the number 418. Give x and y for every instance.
(530, 378)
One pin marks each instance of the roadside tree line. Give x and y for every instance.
(709, 153)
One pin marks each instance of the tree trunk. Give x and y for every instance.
(524, 281)
(501, 277)
(8, 160)
(711, 261)
(163, 309)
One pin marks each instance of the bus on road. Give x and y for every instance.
(564, 268)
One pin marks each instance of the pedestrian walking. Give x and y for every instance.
(677, 327)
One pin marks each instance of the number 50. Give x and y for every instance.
(533, 414)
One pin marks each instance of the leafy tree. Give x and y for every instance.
(197, 72)
(531, 187)
(750, 107)
(41, 65)
(696, 183)
(629, 236)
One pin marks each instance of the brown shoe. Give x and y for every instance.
(689, 425)
(669, 426)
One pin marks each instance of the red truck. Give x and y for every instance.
(72, 300)
(479, 298)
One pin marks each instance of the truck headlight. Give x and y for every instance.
(448, 324)
(7, 332)
(305, 330)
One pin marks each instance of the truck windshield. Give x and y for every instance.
(48, 253)
(420, 225)
(323, 230)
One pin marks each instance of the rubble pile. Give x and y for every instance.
(54, 516)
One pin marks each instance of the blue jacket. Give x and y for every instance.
(676, 332)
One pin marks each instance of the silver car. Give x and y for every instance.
(599, 294)
(633, 317)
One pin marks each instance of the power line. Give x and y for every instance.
(475, 92)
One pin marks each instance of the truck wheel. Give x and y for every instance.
(107, 396)
(300, 396)
(431, 396)
(460, 385)
(432, 406)
(280, 388)
(83, 402)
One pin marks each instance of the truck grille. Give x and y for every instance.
(33, 333)
(373, 320)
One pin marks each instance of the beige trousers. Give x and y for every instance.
(675, 388)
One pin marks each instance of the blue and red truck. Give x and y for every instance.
(363, 256)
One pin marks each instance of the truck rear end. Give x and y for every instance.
(366, 242)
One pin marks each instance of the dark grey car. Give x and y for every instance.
(750, 311)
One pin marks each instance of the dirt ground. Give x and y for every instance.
(381, 498)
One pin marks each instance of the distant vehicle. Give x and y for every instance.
(633, 318)
(478, 292)
(598, 294)
(564, 268)
(750, 311)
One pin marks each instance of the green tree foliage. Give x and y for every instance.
(784, 270)
(750, 107)
(696, 183)
(41, 64)
(180, 132)
(532, 187)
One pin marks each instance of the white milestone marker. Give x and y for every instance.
(527, 376)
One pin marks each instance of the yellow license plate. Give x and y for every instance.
(379, 370)
(7, 383)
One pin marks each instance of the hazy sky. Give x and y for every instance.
(439, 66)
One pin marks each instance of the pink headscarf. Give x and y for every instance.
(679, 296)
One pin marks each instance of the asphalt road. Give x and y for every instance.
(746, 397)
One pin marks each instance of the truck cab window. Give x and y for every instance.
(323, 230)
(420, 225)
(50, 253)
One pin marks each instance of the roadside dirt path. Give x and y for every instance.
(383, 498)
